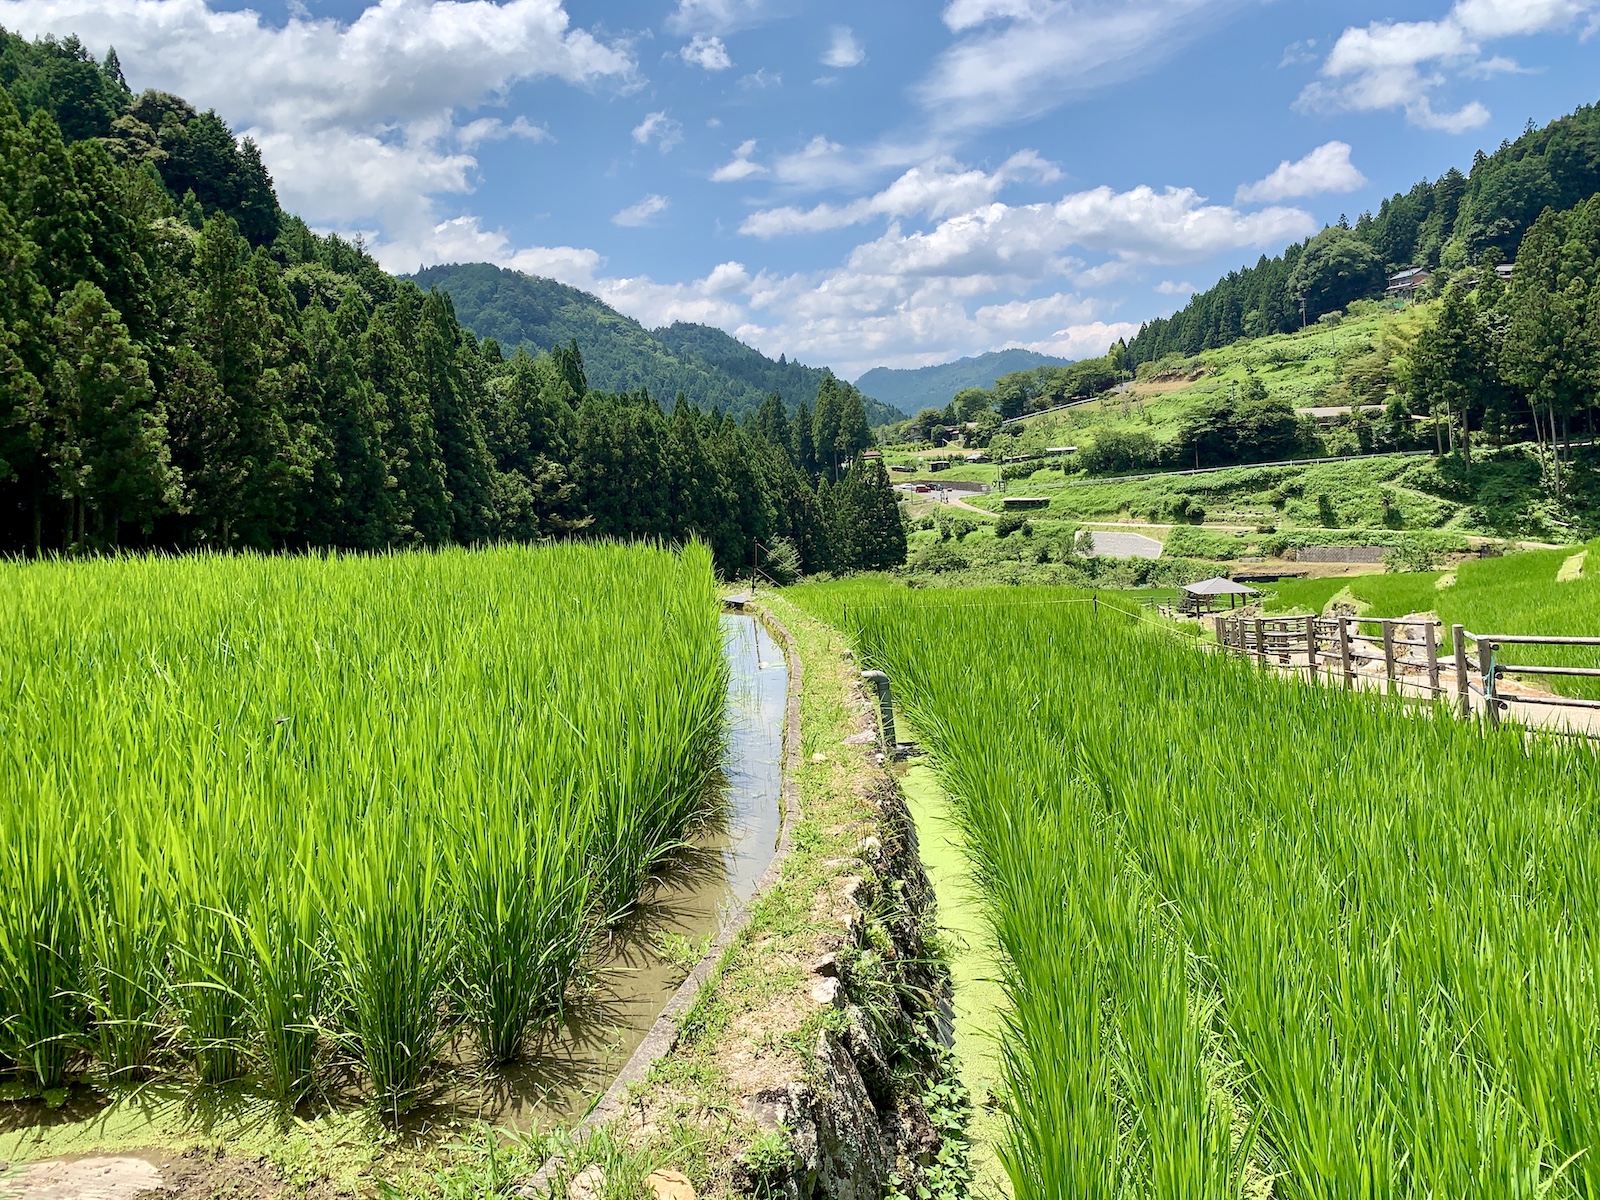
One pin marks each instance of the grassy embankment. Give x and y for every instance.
(1264, 930)
(298, 822)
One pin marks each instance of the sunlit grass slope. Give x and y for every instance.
(267, 815)
(1254, 928)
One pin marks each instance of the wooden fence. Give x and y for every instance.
(1337, 647)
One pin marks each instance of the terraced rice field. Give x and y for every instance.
(1258, 937)
(299, 819)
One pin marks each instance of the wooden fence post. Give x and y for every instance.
(1463, 692)
(1431, 640)
(1344, 652)
(1491, 698)
(1261, 642)
(1311, 646)
(1217, 623)
(1388, 652)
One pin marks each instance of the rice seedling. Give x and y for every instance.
(272, 812)
(1254, 928)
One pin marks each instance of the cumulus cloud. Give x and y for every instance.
(659, 128)
(760, 80)
(354, 119)
(739, 167)
(1019, 58)
(936, 189)
(1326, 169)
(723, 16)
(1168, 288)
(844, 50)
(706, 51)
(493, 129)
(643, 212)
(1404, 65)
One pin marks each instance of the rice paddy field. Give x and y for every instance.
(305, 820)
(1257, 937)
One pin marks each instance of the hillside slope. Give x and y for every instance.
(1449, 224)
(932, 387)
(711, 368)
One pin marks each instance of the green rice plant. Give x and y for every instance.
(288, 984)
(126, 960)
(391, 946)
(1302, 933)
(41, 938)
(521, 890)
(203, 909)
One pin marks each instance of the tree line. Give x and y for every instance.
(1453, 224)
(183, 365)
(1505, 361)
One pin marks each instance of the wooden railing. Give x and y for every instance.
(1491, 667)
(1335, 647)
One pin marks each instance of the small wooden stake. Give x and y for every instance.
(1463, 692)
(1388, 652)
(1344, 652)
(1311, 646)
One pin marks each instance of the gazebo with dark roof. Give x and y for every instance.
(1201, 597)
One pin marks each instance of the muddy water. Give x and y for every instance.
(645, 961)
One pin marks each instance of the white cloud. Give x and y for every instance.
(936, 189)
(643, 212)
(659, 128)
(1405, 64)
(1168, 288)
(706, 51)
(1326, 169)
(843, 49)
(354, 119)
(493, 129)
(739, 167)
(1023, 57)
(723, 16)
(761, 79)
(961, 15)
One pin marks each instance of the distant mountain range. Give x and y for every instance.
(932, 387)
(707, 365)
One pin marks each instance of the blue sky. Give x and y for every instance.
(855, 185)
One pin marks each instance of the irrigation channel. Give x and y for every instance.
(633, 976)
(686, 906)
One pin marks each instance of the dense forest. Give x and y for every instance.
(1452, 225)
(183, 365)
(532, 313)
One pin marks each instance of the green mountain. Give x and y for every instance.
(932, 387)
(708, 366)
(1450, 225)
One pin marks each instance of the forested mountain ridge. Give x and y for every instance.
(538, 314)
(1453, 224)
(911, 390)
(194, 368)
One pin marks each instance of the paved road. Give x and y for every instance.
(1125, 545)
